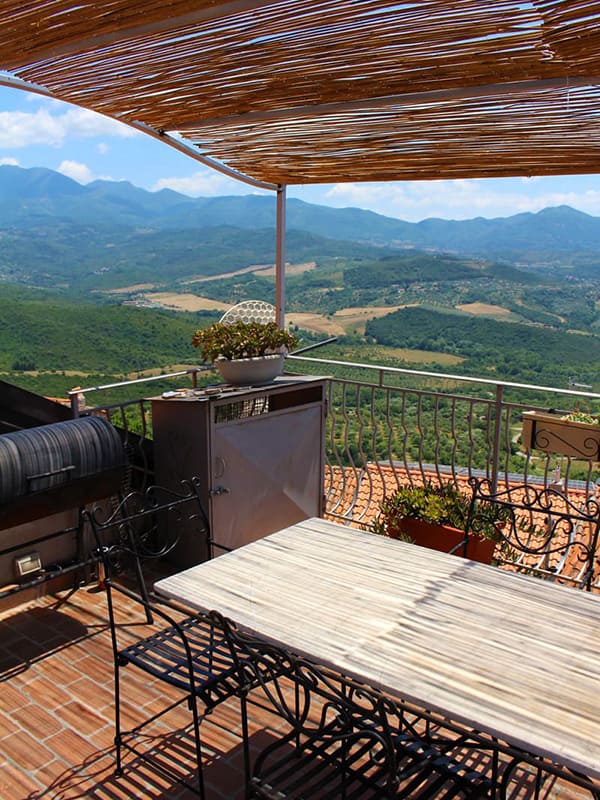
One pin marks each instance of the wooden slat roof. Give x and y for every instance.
(318, 91)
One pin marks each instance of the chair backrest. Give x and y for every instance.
(545, 533)
(250, 311)
(145, 525)
(345, 722)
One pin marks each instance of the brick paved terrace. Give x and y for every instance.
(56, 714)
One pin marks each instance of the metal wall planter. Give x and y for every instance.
(550, 433)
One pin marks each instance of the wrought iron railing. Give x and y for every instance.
(390, 426)
(133, 417)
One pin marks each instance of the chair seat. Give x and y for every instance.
(424, 771)
(318, 771)
(164, 656)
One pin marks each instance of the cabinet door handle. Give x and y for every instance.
(219, 467)
(218, 490)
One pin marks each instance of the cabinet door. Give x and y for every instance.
(180, 453)
(266, 473)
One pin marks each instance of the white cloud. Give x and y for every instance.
(83, 123)
(204, 183)
(458, 199)
(78, 172)
(10, 161)
(21, 129)
(43, 126)
(102, 148)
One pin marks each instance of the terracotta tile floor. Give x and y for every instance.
(56, 712)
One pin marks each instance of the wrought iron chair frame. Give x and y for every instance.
(189, 653)
(344, 739)
(408, 743)
(541, 535)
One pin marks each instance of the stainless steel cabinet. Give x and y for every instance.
(258, 453)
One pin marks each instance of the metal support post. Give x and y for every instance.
(497, 436)
(280, 258)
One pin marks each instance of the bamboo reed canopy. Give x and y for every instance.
(319, 91)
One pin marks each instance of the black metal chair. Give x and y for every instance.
(343, 740)
(545, 532)
(189, 653)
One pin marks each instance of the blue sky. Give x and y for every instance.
(38, 132)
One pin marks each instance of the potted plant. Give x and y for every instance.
(576, 434)
(245, 352)
(436, 517)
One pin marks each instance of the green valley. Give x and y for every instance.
(90, 279)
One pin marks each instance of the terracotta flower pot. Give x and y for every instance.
(444, 539)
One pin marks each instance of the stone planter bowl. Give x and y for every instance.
(250, 371)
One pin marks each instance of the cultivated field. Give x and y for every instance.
(416, 356)
(259, 268)
(343, 321)
(378, 354)
(290, 269)
(138, 287)
(486, 310)
(316, 323)
(186, 302)
(264, 270)
(346, 320)
(355, 319)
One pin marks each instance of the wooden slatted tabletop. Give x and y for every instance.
(513, 656)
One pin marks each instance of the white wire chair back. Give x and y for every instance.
(250, 311)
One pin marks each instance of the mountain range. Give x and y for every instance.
(39, 199)
(498, 295)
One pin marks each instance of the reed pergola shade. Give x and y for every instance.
(319, 91)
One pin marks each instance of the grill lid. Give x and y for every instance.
(62, 454)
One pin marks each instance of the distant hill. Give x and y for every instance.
(33, 197)
(523, 237)
(36, 198)
(99, 256)
(499, 349)
(39, 331)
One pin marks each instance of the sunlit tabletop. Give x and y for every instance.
(510, 655)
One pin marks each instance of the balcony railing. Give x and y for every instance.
(390, 426)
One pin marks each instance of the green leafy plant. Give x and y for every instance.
(242, 340)
(439, 505)
(582, 416)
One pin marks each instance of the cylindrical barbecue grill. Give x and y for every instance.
(54, 467)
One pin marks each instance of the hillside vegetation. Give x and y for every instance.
(505, 350)
(531, 316)
(42, 332)
(81, 258)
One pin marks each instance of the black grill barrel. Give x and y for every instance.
(54, 467)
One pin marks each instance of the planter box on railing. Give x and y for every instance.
(550, 433)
